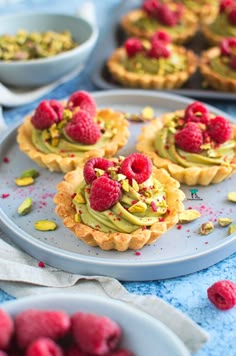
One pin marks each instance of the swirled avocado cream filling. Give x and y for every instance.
(140, 205)
(189, 143)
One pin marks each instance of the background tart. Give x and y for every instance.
(151, 80)
(119, 241)
(67, 161)
(192, 175)
(180, 33)
(223, 81)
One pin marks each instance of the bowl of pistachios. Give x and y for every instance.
(37, 49)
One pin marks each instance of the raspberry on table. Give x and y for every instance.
(6, 329)
(83, 129)
(44, 347)
(84, 101)
(190, 138)
(132, 46)
(95, 334)
(219, 129)
(32, 324)
(137, 166)
(92, 164)
(104, 193)
(222, 294)
(46, 114)
(196, 112)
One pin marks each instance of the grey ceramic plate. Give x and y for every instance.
(178, 252)
(114, 36)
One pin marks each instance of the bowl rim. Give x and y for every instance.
(60, 56)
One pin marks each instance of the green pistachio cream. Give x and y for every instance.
(222, 27)
(55, 139)
(141, 64)
(149, 23)
(165, 147)
(221, 65)
(140, 206)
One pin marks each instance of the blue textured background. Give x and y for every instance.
(187, 293)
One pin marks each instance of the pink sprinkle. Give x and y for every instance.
(179, 227)
(137, 253)
(206, 243)
(6, 160)
(41, 264)
(5, 196)
(154, 207)
(190, 207)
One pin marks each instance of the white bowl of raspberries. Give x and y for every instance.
(66, 324)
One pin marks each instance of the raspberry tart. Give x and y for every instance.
(218, 66)
(120, 204)
(155, 15)
(194, 145)
(62, 135)
(224, 24)
(154, 64)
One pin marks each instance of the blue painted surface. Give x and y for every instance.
(187, 293)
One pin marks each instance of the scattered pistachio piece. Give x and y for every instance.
(45, 225)
(224, 221)
(232, 196)
(206, 228)
(25, 207)
(232, 229)
(189, 215)
(22, 182)
(30, 173)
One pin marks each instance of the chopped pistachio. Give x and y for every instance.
(79, 198)
(224, 221)
(232, 229)
(22, 182)
(125, 185)
(135, 185)
(121, 177)
(25, 207)
(232, 197)
(206, 228)
(77, 218)
(148, 113)
(45, 225)
(139, 207)
(30, 173)
(188, 216)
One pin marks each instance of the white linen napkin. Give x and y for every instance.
(20, 276)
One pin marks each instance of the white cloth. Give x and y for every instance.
(21, 276)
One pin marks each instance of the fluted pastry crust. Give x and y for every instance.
(117, 240)
(55, 162)
(196, 175)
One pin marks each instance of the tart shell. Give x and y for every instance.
(196, 175)
(55, 162)
(116, 240)
(212, 78)
(190, 23)
(151, 81)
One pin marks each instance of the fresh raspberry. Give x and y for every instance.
(46, 114)
(161, 36)
(2, 353)
(104, 193)
(44, 347)
(137, 166)
(6, 329)
(91, 164)
(74, 350)
(226, 46)
(224, 4)
(219, 129)
(158, 49)
(95, 334)
(82, 128)
(232, 62)
(222, 294)
(167, 16)
(132, 46)
(190, 138)
(121, 352)
(32, 324)
(150, 7)
(232, 15)
(84, 101)
(196, 112)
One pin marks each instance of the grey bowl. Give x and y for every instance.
(38, 72)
